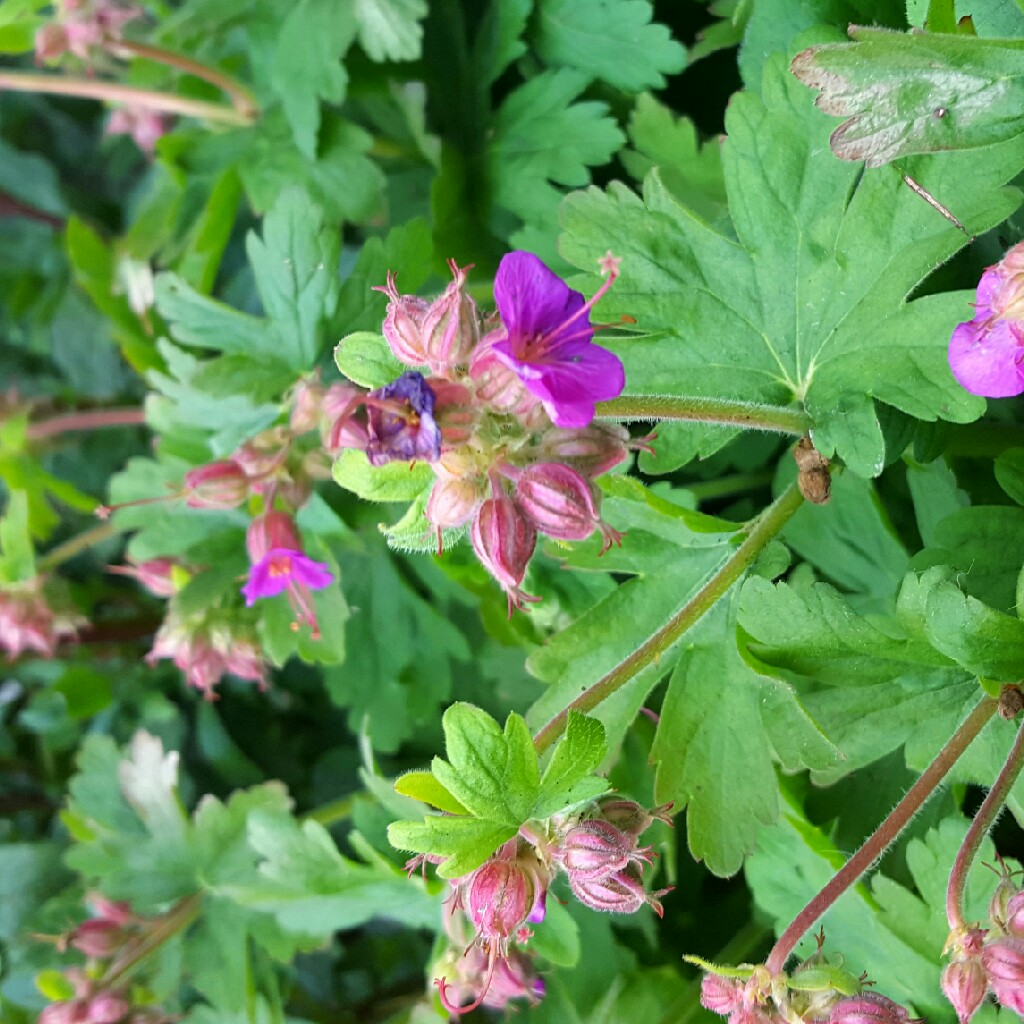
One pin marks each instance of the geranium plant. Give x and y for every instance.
(511, 507)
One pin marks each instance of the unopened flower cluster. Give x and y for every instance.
(34, 618)
(112, 930)
(503, 411)
(490, 910)
(815, 992)
(989, 960)
(276, 470)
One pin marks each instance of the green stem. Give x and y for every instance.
(764, 528)
(727, 486)
(329, 813)
(722, 411)
(91, 88)
(76, 545)
(176, 920)
(983, 821)
(94, 419)
(875, 845)
(241, 98)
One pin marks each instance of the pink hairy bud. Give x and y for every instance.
(263, 454)
(965, 983)
(1013, 919)
(500, 898)
(275, 530)
(29, 623)
(146, 127)
(720, 995)
(453, 411)
(160, 576)
(868, 1008)
(620, 893)
(629, 816)
(117, 911)
(451, 325)
(592, 450)
(453, 503)
(499, 387)
(307, 405)
(403, 323)
(595, 850)
(504, 540)
(107, 1008)
(71, 1012)
(217, 485)
(51, 42)
(1003, 960)
(98, 939)
(561, 503)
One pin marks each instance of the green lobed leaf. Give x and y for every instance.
(394, 481)
(808, 304)
(568, 778)
(367, 360)
(920, 93)
(613, 40)
(296, 268)
(390, 29)
(423, 786)
(307, 66)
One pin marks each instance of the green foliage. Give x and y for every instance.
(808, 304)
(494, 775)
(916, 94)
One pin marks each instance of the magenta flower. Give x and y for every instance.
(986, 353)
(548, 339)
(279, 565)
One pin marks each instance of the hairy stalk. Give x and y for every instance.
(91, 88)
(76, 545)
(706, 410)
(983, 821)
(94, 419)
(763, 529)
(876, 843)
(176, 920)
(241, 98)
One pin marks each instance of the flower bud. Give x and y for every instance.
(620, 893)
(868, 1008)
(160, 576)
(965, 983)
(720, 995)
(1013, 919)
(273, 530)
(504, 541)
(307, 405)
(1003, 960)
(453, 410)
(453, 503)
(98, 939)
(116, 911)
(629, 816)
(595, 849)
(403, 323)
(451, 326)
(107, 1008)
(263, 454)
(500, 897)
(592, 450)
(560, 502)
(217, 485)
(499, 387)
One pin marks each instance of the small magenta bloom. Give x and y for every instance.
(279, 565)
(986, 354)
(400, 421)
(548, 340)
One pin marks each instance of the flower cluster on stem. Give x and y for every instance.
(490, 910)
(502, 410)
